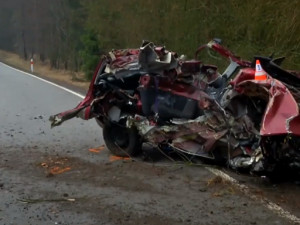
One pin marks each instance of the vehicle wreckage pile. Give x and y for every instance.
(247, 116)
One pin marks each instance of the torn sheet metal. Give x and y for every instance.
(199, 136)
(282, 111)
(120, 63)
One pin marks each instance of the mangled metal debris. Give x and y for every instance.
(247, 116)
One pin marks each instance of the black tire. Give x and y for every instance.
(99, 122)
(122, 141)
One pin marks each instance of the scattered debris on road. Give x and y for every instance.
(32, 201)
(97, 150)
(56, 166)
(113, 158)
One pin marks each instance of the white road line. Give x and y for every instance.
(268, 204)
(243, 188)
(49, 82)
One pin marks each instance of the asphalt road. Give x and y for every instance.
(51, 176)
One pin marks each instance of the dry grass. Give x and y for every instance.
(43, 69)
(217, 180)
(225, 187)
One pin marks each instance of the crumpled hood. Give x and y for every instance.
(282, 115)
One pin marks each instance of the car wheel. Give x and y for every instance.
(122, 141)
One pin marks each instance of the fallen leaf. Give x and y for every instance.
(94, 150)
(58, 170)
(45, 165)
(97, 150)
(115, 158)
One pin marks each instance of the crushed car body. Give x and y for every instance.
(152, 95)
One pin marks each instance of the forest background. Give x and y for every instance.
(72, 34)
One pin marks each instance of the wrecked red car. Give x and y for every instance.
(247, 116)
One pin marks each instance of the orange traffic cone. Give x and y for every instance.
(260, 74)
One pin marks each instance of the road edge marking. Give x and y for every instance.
(243, 188)
(47, 81)
(264, 201)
